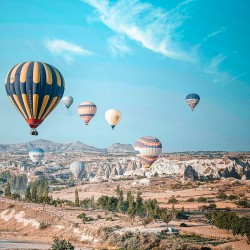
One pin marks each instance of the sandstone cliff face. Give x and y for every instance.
(190, 170)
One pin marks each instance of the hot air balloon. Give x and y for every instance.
(67, 101)
(113, 116)
(35, 89)
(87, 111)
(77, 168)
(192, 100)
(148, 150)
(36, 155)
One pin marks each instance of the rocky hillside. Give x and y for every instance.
(50, 146)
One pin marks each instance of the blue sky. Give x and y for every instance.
(141, 57)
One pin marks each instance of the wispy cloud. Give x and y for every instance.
(213, 67)
(237, 77)
(117, 46)
(65, 49)
(152, 27)
(215, 33)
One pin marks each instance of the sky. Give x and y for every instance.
(142, 58)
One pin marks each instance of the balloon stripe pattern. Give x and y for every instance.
(148, 150)
(35, 89)
(192, 100)
(87, 111)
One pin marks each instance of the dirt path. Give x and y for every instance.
(7, 244)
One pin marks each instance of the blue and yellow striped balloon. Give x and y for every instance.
(35, 89)
(148, 149)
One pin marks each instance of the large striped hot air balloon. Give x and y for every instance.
(35, 89)
(148, 150)
(67, 101)
(192, 100)
(87, 111)
(77, 168)
(113, 116)
(36, 155)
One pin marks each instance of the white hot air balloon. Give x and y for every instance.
(77, 168)
(36, 155)
(67, 101)
(113, 116)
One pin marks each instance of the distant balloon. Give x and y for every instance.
(77, 168)
(192, 100)
(113, 116)
(67, 100)
(148, 150)
(36, 155)
(87, 111)
(35, 89)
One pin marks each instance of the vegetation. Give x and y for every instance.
(77, 201)
(44, 225)
(62, 245)
(230, 221)
(7, 191)
(84, 217)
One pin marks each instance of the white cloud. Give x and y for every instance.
(215, 33)
(237, 77)
(152, 27)
(215, 62)
(117, 46)
(66, 49)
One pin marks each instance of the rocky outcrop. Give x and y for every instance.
(190, 174)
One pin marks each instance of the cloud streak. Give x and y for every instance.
(215, 33)
(65, 49)
(152, 27)
(117, 46)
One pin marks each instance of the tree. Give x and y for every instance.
(92, 202)
(129, 193)
(77, 201)
(117, 191)
(34, 192)
(166, 216)
(131, 208)
(27, 194)
(40, 193)
(120, 203)
(7, 191)
(139, 203)
(46, 191)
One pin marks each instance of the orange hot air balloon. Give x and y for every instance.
(87, 111)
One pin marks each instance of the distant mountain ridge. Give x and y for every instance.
(50, 146)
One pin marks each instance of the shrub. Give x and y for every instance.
(61, 245)
(172, 200)
(183, 225)
(201, 199)
(191, 200)
(84, 217)
(44, 225)
(221, 196)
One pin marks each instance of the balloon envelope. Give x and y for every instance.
(77, 168)
(36, 154)
(67, 100)
(113, 116)
(87, 111)
(148, 150)
(35, 89)
(192, 100)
